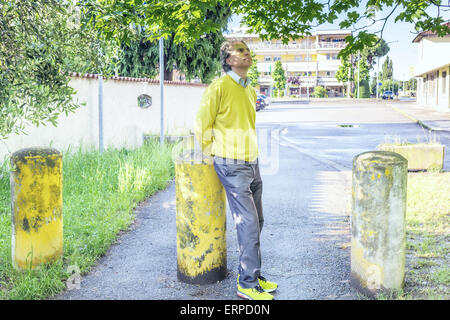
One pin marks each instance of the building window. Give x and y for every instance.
(331, 56)
(267, 58)
(308, 58)
(276, 58)
(444, 82)
(298, 58)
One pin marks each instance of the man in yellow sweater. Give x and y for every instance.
(225, 128)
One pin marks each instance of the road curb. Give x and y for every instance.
(419, 122)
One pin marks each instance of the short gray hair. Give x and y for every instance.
(225, 49)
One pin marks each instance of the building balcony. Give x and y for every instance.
(302, 81)
(299, 81)
(265, 80)
(328, 81)
(288, 66)
(331, 45)
(279, 46)
(328, 65)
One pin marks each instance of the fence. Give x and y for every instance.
(124, 122)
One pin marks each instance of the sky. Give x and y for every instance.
(403, 52)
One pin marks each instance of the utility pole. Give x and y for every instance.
(349, 83)
(100, 114)
(307, 58)
(161, 88)
(378, 72)
(359, 58)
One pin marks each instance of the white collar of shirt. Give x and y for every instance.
(238, 79)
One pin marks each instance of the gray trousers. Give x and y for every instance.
(243, 186)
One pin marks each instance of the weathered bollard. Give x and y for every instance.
(36, 207)
(378, 222)
(200, 220)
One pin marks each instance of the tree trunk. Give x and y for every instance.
(168, 75)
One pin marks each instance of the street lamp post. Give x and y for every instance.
(161, 88)
(378, 72)
(307, 72)
(359, 58)
(100, 114)
(349, 84)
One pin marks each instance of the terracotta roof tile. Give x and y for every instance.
(427, 33)
(117, 78)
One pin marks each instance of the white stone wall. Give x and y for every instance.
(124, 123)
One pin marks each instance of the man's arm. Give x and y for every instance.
(206, 117)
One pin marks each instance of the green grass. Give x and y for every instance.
(100, 192)
(427, 230)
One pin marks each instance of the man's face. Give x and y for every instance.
(240, 56)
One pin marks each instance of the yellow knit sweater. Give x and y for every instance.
(225, 123)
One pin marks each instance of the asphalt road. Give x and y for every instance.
(338, 132)
(306, 153)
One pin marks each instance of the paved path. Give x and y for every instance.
(304, 242)
(306, 171)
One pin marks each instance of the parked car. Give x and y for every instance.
(259, 104)
(387, 95)
(265, 100)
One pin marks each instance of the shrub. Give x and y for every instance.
(320, 92)
(364, 89)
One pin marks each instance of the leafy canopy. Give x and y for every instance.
(139, 57)
(41, 42)
(367, 58)
(187, 20)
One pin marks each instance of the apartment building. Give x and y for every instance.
(432, 70)
(308, 62)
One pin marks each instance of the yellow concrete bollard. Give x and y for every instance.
(378, 222)
(36, 203)
(200, 220)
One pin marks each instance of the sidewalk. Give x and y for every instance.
(427, 117)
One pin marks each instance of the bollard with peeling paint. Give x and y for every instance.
(36, 207)
(378, 222)
(200, 220)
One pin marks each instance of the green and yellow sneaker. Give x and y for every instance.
(267, 286)
(256, 293)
